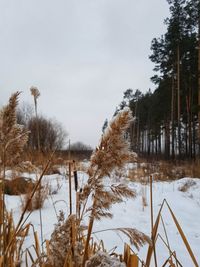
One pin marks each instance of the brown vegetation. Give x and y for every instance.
(36, 201)
(18, 186)
(163, 171)
(72, 243)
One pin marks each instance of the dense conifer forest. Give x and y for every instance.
(167, 120)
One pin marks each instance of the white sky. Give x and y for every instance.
(81, 54)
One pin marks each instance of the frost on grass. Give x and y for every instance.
(13, 136)
(60, 243)
(102, 259)
(112, 153)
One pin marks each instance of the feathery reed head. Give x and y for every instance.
(8, 114)
(60, 243)
(137, 238)
(12, 135)
(113, 150)
(35, 92)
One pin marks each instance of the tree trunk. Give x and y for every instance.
(167, 140)
(172, 119)
(199, 81)
(178, 101)
(194, 136)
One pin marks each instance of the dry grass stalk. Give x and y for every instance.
(13, 137)
(62, 246)
(33, 254)
(113, 152)
(172, 254)
(70, 189)
(166, 235)
(152, 220)
(130, 258)
(183, 236)
(23, 220)
(155, 234)
(35, 93)
(38, 199)
(136, 238)
(13, 257)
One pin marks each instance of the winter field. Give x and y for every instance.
(108, 211)
(183, 196)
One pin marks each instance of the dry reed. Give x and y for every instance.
(113, 152)
(13, 137)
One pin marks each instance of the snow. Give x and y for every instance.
(104, 260)
(129, 213)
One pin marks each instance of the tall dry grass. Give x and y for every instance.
(112, 152)
(72, 243)
(13, 138)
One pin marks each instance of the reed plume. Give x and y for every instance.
(35, 93)
(68, 244)
(61, 248)
(113, 152)
(13, 138)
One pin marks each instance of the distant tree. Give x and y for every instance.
(79, 146)
(105, 125)
(51, 134)
(128, 95)
(175, 57)
(166, 120)
(24, 113)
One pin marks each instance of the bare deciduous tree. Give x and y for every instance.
(51, 133)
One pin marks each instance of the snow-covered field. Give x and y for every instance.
(130, 213)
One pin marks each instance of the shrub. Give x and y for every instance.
(18, 186)
(38, 199)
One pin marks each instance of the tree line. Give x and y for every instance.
(51, 133)
(167, 120)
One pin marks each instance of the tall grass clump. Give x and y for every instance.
(113, 152)
(38, 199)
(13, 138)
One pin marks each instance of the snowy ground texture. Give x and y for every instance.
(130, 213)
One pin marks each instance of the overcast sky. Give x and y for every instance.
(81, 54)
